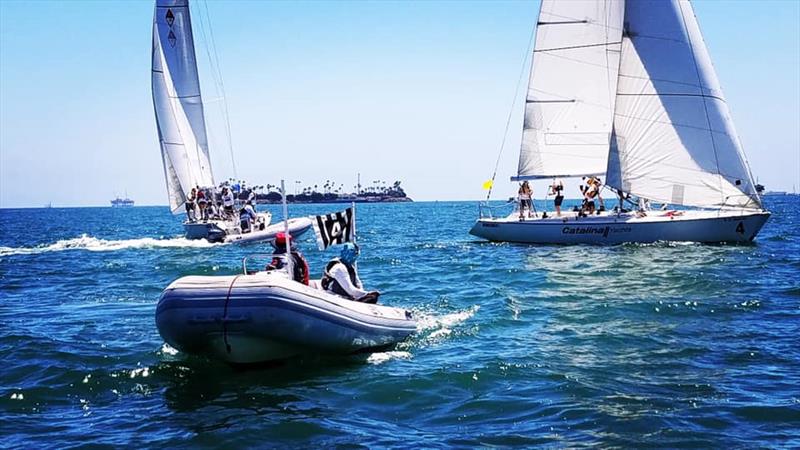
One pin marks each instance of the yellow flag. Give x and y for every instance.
(487, 185)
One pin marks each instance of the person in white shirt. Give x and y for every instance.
(251, 198)
(227, 201)
(247, 216)
(341, 277)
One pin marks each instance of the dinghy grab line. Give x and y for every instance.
(225, 315)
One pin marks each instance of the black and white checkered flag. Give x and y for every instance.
(335, 228)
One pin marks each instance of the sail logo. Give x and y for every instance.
(170, 17)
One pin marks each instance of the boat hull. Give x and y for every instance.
(228, 232)
(612, 228)
(297, 227)
(263, 317)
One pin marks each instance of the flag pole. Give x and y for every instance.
(353, 205)
(286, 230)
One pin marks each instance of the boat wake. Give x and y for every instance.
(437, 327)
(382, 357)
(94, 244)
(431, 328)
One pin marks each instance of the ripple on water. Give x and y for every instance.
(662, 344)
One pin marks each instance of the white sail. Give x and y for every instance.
(674, 137)
(571, 92)
(178, 104)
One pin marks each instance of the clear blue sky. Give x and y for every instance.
(415, 91)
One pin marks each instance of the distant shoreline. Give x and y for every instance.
(321, 203)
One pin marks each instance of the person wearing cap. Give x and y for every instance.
(247, 216)
(341, 277)
(190, 213)
(299, 263)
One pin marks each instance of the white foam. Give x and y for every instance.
(94, 244)
(168, 350)
(440, 327)
(428, 322)
(380, 358)
(140, 372)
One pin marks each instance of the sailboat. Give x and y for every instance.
(182, 129)
(626, 89)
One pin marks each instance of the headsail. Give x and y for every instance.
(178, 104)
(674, 137)
(570, 100)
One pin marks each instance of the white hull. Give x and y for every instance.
(231, 232)
(297, 227)
(612, 228)
(265, 316)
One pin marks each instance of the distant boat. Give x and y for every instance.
(626, 89)
(122, 202)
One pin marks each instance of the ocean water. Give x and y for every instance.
(673, 345)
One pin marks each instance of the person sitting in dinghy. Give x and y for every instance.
(299, 263)
(247, 217)
(341, 277)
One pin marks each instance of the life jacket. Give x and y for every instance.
(299, 266)
(329, 283)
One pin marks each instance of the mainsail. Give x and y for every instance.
(571, 92)
(178, 104)
(674, 140)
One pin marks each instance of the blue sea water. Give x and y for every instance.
(673, 345)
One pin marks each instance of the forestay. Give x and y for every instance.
(571, 91)
(674, 138)
(177, 101)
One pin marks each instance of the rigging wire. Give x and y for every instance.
(216, 73)
(511, 110)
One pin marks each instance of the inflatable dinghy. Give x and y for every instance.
(218, 231)
(265, 316)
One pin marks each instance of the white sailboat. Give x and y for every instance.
(627, 89)
(182, 128)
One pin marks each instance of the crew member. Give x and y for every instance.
(227, 202)
(251, 198)
(190, 213)
(341, 277)
(299, 263)
(525, 195)
(557, 189)
(247, 217)
(201, 203)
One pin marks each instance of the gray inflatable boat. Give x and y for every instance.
(265, 316)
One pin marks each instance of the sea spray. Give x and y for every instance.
(93, 244)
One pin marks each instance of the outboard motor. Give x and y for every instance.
(215, 233)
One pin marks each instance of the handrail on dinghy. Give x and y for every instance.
(268, 255)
